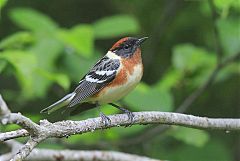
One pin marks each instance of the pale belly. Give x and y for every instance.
(116, 93)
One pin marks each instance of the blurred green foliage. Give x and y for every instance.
(42, 58)
(34, 54)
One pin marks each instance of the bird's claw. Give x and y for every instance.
(130, 118)
(106, 120)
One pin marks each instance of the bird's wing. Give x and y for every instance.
(103, 72)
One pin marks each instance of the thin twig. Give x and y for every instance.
(217, 39)
(19, 119)
(13, 134)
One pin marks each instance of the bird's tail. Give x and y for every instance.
(59, 104)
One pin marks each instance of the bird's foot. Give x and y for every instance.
(130, 117)
(106, 120)
(129, 113)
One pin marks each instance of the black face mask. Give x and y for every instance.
(127, 48)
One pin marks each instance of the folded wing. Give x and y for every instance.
(103, 72)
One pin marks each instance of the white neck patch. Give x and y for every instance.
(112, 55)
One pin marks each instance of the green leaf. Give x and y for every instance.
(228, 71)
(80, 38)
(229, 34)
(33, 20)
(187, 57)
(169, 80)
(16, 40)
(190, 136)
(118, 25)
(59, 78)
(3, 64)
(77, 66)
(145, 97)
(193, 62)
(47, 51)
(24, 64)
(2, 3)
(226, 5)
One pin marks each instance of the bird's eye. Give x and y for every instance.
(126, 47)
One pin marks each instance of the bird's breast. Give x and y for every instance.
(125, 81)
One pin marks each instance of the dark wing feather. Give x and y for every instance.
(103, 72)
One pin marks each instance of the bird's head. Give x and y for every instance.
(127, 47)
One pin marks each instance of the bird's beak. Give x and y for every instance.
(141, 40)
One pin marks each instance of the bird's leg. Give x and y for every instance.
(129, 113)
(106, 120)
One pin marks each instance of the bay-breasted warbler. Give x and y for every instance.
(110, 79)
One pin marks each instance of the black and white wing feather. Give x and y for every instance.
(103, 72)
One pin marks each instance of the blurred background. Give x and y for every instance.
(46, 47)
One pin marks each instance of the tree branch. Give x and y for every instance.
(67, 128)
(72, 155)
(27, 148)
(13, 134)
(24, 122)
(155, 130)
(46, 129)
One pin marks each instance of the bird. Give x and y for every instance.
(112, 77)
